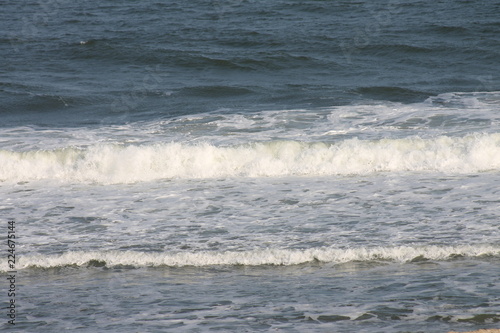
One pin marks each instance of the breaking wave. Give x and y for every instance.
(285, 257)
(117, 163)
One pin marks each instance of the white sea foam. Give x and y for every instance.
(284, 257)
(107, 163)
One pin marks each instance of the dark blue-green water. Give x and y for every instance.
(92, 62)
(251, 166)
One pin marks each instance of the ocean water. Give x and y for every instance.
(251, 166)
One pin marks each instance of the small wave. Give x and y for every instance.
(215, 91)
(281, 257)
(449, 29)
(393, 94)
(403, 49)
(198, 61)
(108, 163)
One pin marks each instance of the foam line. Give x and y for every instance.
(285, 257)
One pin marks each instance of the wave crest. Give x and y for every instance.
(284, 257)
(128, 164)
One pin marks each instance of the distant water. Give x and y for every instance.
(231, 166)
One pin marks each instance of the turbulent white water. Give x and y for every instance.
(125, 164)
(383, 187)
(451, 133)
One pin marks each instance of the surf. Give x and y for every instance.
(122, 163)
(259, 257)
